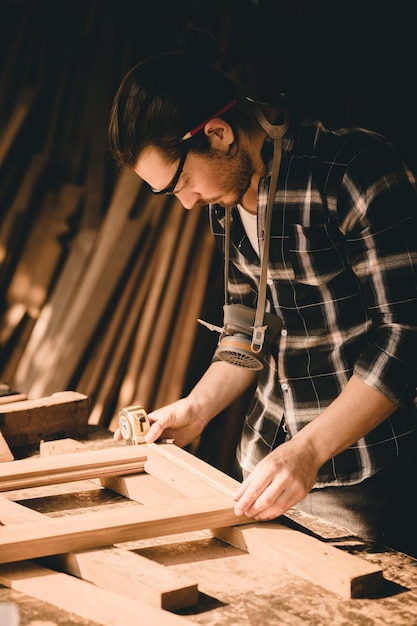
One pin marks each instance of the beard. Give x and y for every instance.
(234, 177)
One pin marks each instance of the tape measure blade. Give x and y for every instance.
(195, 467)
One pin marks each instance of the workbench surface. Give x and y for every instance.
(235, 588)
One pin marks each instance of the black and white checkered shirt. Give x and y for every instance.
(343, 279)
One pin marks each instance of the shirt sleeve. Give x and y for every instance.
(378, 206)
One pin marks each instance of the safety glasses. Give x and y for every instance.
(174, 181)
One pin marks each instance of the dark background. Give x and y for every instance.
(347, 62)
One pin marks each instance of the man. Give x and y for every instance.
(332, 427)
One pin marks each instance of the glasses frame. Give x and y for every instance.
(174, 180)
(170, 188)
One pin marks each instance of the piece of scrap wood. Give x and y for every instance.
(83, 598)
(131, 575)
(25, 102)
(118, 237)
(142, 488)
(38, 471)
(99, 529)
(5, 452)
(115, 569)
(307, 557)
(18, 397)
(29, 421)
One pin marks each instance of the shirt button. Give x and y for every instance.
(284, 332)
(284, 386)
(270, 281)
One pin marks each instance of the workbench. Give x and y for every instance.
(234, 587)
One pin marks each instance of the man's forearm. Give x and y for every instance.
(221, 384)
(357, 411)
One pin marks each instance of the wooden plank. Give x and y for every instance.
(5, 452)
(189, 475)
(143, 341)
(15, 397)
(63, 349)
(24, 104)
(298, 552)
(98, 529)
(29, 421)
(38, 471)
(143, 488)
(104, 373)
(40, 343)
(178, 261)
(131, 575)
(172, 380)
(307, 557)
(43, 248)
(115, 569)
(82, 598)
(18, 216)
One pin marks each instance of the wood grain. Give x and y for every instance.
(35, 471)
(82, 598)
(93, 530)
(307, 557)
(115, 569)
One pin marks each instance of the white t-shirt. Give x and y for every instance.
(249, 221)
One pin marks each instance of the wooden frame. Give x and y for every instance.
(194, 501)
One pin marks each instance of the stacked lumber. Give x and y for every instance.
(101, 282)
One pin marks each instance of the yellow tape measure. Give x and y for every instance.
(134, 424)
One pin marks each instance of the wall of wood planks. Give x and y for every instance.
(101, 284)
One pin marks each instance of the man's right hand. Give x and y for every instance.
(175, 421)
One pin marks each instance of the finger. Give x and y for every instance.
(154, 432)
(247, 498)
(117, 436)
(273, 503)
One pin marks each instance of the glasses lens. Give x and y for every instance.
(171, 186)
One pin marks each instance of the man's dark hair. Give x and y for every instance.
(164, 97)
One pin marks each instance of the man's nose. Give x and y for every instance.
(189, 199)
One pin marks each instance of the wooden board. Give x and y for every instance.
(203, 507)
(318, 562)
(93, 530)
(115, 569)
(82, 598)
(5, 452)
(51, 470)
(63, 414)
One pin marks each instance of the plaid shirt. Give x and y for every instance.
(343, 279)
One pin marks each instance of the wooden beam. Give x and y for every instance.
(305, 556)
(34, 272)
(14, 397)
(115, 569)
(101, 606)
(19, 215)
(98, 529)
(143, 488)
(57, 359)
(38, 471)
(176, 361)
(5, 452)
(24, 104)
(296, 551)
(27, 422)
(131, 575)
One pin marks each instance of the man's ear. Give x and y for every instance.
(220, 134)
